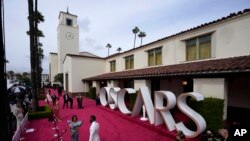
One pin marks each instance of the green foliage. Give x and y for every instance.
(41, 97)
(92, 93)
(43, 112)
(19, 76)
(132, 98)
(26, 80)
(59, 78)
(211, 109)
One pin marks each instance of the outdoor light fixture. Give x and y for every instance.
(184, 82)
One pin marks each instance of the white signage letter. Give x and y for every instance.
(144, 97)
(163, 113)
(197, 118)
(113, 94)
(121, 102)
(104, 92)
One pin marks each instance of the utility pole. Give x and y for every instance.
(5, 119)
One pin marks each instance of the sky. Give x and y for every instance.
(107, 21)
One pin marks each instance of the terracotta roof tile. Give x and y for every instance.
(226, 65)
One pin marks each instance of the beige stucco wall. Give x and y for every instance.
(83, 67)
(140, 83)
(229, 38)
(65, 45)
(67, 70)
(53, 66)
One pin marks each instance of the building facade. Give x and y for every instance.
(212, 59)
(74, 65)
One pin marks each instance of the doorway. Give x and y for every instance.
(67, 82)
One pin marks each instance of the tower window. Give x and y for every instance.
(68, 22)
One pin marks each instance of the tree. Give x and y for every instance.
(34, 18)
(19, 76)
(142, 35)
(108, 46)
(33, 55)
(119, 49)
(25, 74)
(135, 31)
(59, 78)
(26, 80)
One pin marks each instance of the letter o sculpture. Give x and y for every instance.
(121, 102)
(103, 92)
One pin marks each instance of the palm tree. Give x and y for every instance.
(38, 18)
(142, 35)
(119, 49)
(108, 46)
(32, 55)
(135, 31)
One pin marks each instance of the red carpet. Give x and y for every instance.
(114, 126)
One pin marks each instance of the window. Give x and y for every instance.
(198, 48)
(68, 22)
(112, 66)
(154, 57)
(129, 62)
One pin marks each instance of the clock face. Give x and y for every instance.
(69, 36)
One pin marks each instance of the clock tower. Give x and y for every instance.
(67, 37)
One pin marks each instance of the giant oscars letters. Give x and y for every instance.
(157, 113)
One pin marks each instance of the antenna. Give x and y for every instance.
(67, 9)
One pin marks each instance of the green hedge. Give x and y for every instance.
(211, 109)
(92, 93)
(41, 97)
(132, 98)
(44, 112)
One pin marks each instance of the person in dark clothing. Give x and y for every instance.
(65, 100)
(71, 102)
(59, 90)
(207, 136)
(97, 100)
(53, 99)
(79, 101)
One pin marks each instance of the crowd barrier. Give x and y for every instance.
(21, 129)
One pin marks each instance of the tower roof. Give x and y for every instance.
(61, 12)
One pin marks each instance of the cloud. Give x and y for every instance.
(84, 24)
(91, 44)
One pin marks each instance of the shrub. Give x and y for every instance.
(211, 109)
(44, 112)
(92, 93)
(132, 98)
(41, 97)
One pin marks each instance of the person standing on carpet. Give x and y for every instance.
(53, 99)
(56, 110)
(65, 100)
(74, 125)
(180, 136)
(19, 114)
(94, 129)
